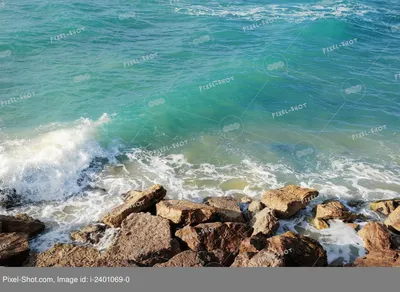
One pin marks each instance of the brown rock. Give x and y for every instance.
(185, 212)
(243, 259)
(135, 202)
(105, 260)
(89, 234)
(297, 250)
(385, 207)
(388, 258)
(67, 255)
(228, 209)
(21, 223)
(187, 258)
(144, 239)
(264, 222)
(376, 236)
(393, 221)
(320, 224)
(263, 258)
(334, 210)
(213, 236)
(289, 200)
(252, 244)
(14, 249)
(355, 226)
(246, 200)
(254, 208)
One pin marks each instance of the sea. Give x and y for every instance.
(207, 98)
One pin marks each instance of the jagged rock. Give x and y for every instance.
(288, 200)
(376, 236)
(212, 236)
(297, 250)
(243, 259)
(393, 221)
(264, 222)
(254, 208)
(144, 240)
(106, 260)
(252, 244)
(135, 202)
(334, 210)
(66, 255)
(263, 258)
(187, 258)
(90, 234)
(185, 212)
(21, 223)
(228, 209)
(385, 207)
(14, 249)
(320, 224)
(9, 198)
(388, 258)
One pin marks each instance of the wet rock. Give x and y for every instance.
(288, 200)
(320, 224)
(185, 212)
(376, 236)
(21, 223)
(187, 258)
(228, 209)
(9, 198)
(264, 223)
(297, 250)
(214, 236)
(388, 258)
(254, 208)
(66, 255)
(334, 210)
(393, 221)
(145, 240)
(263, 258)
(135, 202)
(385, 207)
(14, 249)
(90, 234)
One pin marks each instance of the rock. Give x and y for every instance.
(187, 258)
(144, 239)
(228, 209)
(385, 207)
(21, 223)
(66, 255)
(185, 212)
(320, 224)
(213, 236)
(135, 202)
(334, 210)
(108, 261)
(9, 198)
(376, 236)
(254, 208)
(289, 200)
(89, 234)
(246, 200)
(297, 250)
(263, 258)
(355, 226)
(14, 249)
(388, 258)
(393, 221)
(252, 244)
(264, 222)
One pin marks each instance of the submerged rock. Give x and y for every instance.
(288, 200)
(376, 236)
(9, 198)
(14, 249)
(185, 212)
(393, 221)
(385, 207)
(90, 234)
(228, 209)
(135, 201)
(21, 223)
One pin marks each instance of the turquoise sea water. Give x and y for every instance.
(204, 97)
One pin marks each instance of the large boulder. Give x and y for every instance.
(332, 210)
(144, 239)
(187, 258)
(376, 236)
(185, 212)
(228, 209)
(14, 249)
(264, 223)
(288, 200)
(135, 202)
(214, 236)
(297, 250)
(393, 221)
(385, 207)
(90, 234)
(66, 255)
(21, 223)
(388, 258)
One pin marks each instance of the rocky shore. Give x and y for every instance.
(219, 232)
